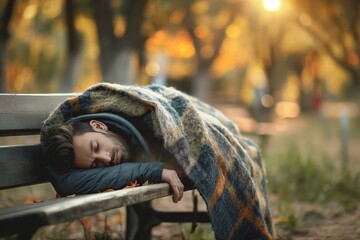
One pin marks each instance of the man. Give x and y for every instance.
(77, 145)
(184, 134)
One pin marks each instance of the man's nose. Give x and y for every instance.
(103, 158)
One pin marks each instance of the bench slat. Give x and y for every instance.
(21, 123)
(12, 103)
(22, 114)
(20, 166)
(65, 209)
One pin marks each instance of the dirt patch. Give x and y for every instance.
(322, 221)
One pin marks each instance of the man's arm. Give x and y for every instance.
(84, 181)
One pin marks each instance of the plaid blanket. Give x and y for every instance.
(226, 167)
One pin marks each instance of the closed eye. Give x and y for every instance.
(94, 148)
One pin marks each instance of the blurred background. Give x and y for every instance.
(286, 71)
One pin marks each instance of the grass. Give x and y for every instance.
(304, 178)
(299, 178)
(308, 166)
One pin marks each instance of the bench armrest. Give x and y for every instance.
(60, 210)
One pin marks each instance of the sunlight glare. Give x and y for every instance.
(271, 5)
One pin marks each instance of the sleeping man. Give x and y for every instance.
(76, 145)
(113, 135)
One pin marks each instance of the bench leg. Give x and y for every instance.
(140, 219)
(132, 223)
(27, 234)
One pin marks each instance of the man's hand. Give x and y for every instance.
(171, 177)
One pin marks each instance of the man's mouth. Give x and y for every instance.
(115, 158)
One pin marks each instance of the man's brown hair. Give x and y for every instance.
(59, 150)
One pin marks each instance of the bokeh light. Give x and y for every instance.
(152, 68)
(272, 5)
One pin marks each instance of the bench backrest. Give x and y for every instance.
(20, 115)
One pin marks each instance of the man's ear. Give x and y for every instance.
(98, 126)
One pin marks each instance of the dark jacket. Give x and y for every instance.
(83, 181)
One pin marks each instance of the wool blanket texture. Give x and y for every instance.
(225, 167)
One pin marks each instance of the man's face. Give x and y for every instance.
(99, 149)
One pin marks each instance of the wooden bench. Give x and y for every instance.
(20, 165)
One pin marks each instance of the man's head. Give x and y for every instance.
(90, 144)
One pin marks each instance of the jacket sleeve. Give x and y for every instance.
(94, 180)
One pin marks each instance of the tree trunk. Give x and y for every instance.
(4, 37)
(104, 24)
(134, 40)
(73, 62)
(2, 67)
(124, 68)
(201, 85)
(119, 60)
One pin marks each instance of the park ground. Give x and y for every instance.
(310, 197)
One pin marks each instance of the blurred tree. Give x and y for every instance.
(169, 48)
(4, 36)
(266, 31)
(72, 64)
(335, 26)
(207, 23)
(34, 52)
(117, 53)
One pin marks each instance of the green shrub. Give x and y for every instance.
(295, 177)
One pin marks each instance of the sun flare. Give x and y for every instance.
(272, 5)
